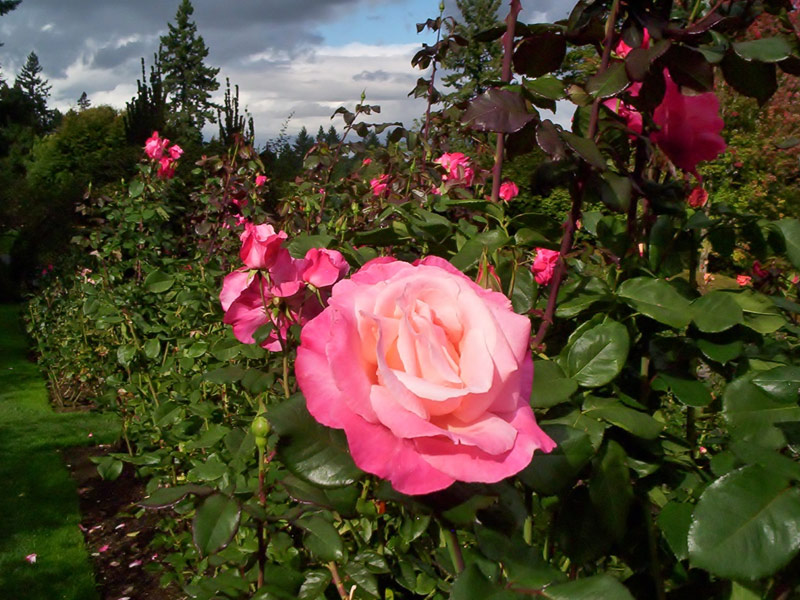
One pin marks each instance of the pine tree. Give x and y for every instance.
(476, 65)
(35, 88)
(84, 102)
(231, 123)
(188, 82)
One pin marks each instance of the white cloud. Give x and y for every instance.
(47, 27)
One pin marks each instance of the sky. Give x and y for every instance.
(295, 61)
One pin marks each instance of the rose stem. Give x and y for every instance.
(451, 540)
(508, 47)
(337, 580)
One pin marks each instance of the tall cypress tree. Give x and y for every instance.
(35, 89)
(188, 82)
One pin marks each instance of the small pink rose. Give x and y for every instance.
(324, 267)
(458, 168)
(31, 558)
(366, 162)
(380, 185)
(743, 280)
(698, 197)
(544, 263)
(428, 374)
(260, 245)
(508, 190)
(103, 548)
(622, 50)
(166, 168)
(154, 147)
(759, 271)
(261, 180)
(175, 152)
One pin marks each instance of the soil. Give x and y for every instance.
(125, 568)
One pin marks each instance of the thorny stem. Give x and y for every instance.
(577, 190)
(508, 48)
(337, 581)
(262, 500)
(433, 77)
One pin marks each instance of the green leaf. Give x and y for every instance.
(125, 354)
(754, 79)
(550, 385)
(497, 110)
(152, 348)
(674, 521)
(585, 148)
(716, 311)
(598, 587)
(314, 585)
(752, 413)
(658, 300)
(136, 188)
(321, 538)
(359, 573)
(790, 228)
(309, 450)
(598, 355)
(169, 496)
(610, 489)
(539, 54)
(689, 391)
(745, 525)
(471, 584)
(580, 293)
(612, 410)
(722, 352)
(158, 282)
(753, 453)
(547, 87)
(765, 50)
(548, 474)
(108, 467)
(226, 349)
(608, 83)
(215, 523)
(782, 383)
(760, 313)
(225, 375)
(302, 243)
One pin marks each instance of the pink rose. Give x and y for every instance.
(543, 265)
(743, 280)
(759, 271)
(508, 190)
(261, 180)
(622, 50)
(324, 267)
(632, 117)
(698, 197)
(166, 168)
(175, 152)
(285, 274)
(366, 162)
(458, 168)
(380, 185)
(428, 374)
(154, 146)
(260, 245)
(689, 127)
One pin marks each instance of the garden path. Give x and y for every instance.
(38, 499)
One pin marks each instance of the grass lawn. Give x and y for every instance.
(38, 500)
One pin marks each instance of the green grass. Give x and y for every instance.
(38, 500)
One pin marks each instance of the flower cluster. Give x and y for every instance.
(458, 170)
(275, 289)
(157, 149)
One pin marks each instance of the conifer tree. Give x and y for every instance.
(84, 102)
(35, 89)
(146, 112)
(188, 82)
(476, 65)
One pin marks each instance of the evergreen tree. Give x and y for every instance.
(476, 65)
(188, 82)
(331, 137)
(320, 134)
(84, 102)
(231, 123)
(146, 112)
(35, 88)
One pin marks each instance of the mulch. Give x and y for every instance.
(125, 567)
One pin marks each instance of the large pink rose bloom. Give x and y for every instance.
(428, 374)
(689, 127)
(260, 245)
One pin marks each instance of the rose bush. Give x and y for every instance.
(428, 374)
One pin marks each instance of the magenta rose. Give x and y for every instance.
(544, 264)
(508, 191)
(324, 267)
(428, 374)
(260, 245)
(690, 127)
(155, 146)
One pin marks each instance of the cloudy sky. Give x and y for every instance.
(302, 58)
